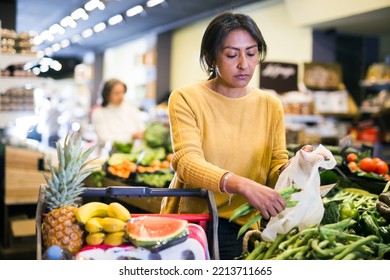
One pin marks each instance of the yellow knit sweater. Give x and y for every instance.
(213, 134)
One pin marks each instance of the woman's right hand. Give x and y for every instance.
(265, 199)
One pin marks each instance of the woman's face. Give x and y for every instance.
(237, 59)
(117, 94)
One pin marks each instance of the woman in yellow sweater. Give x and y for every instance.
(227, 136)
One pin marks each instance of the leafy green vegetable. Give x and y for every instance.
(331, 214)
(119, 147)
(152, 154)
(157, 134)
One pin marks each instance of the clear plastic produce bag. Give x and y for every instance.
(303, 171)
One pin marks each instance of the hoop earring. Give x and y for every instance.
(217, 70)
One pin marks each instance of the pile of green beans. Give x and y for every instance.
(327, 242)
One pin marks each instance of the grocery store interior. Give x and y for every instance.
(327, 60)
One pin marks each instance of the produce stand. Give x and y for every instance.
(130, 192)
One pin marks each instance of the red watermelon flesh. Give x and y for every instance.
(147, 231)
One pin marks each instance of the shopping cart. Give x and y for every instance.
(123, 192)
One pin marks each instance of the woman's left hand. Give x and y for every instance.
(309, 148)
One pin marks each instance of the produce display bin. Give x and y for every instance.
(371, 185)
(144, 192)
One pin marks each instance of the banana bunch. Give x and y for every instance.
(105, 223)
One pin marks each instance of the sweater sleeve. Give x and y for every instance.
(189, 162)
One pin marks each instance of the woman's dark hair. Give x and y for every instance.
(107, 88)
(216, 33)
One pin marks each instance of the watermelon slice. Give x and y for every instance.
(155, 232)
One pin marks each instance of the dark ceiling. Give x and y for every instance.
(39, 15)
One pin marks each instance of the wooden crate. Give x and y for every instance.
(22, 175)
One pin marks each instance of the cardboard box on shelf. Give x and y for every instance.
(22, 175)
(23, 227)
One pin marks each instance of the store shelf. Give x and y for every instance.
(7, 118)
(10, 82)
(303, 118)
(379, 83)
(14, 82)
(9, 59)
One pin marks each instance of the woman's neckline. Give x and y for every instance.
(208, 84)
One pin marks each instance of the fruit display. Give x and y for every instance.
(363, 163)
(148, 163)
(365, 171)
(62, 195)
(103, 223)
(150, 167)
(112, 225)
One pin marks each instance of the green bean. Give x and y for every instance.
(301, 254)
(353, 246)
(324, 243)
(245, 227)
(340, 225)
(290, 241)
(256, 251)
(274, 245)
(244, 209)
(260, 256)
(288, 253)
(302, 240)
(350, 256)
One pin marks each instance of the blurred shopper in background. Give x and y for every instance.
(116, 120)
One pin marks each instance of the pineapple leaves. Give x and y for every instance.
(66, 182)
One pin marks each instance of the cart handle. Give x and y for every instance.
(129, 191)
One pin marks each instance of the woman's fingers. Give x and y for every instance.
(273, 206)
(307, 148)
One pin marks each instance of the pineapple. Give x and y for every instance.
(62, 195)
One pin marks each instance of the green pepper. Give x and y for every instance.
(369, 225)
(384, 232)
(348, 210)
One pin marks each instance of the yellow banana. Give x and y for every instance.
(117, 210)
(91, 209)
(95, 238)
(114, 238)
(113, 224)
(94, 225)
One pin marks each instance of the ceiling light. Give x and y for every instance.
(56, 28)
(44, 68)
(56, 47)
(134, 11)
(37, 40)
(101, 6)
(48, 51)
(99, 27)
(75, 38)
(152, 3)
(68, 21)
(87, 33)
(36, 71)
(55, 65)
(91, 5)
(79, 13)
(65, 43)
(115, 19)
(46, 35)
